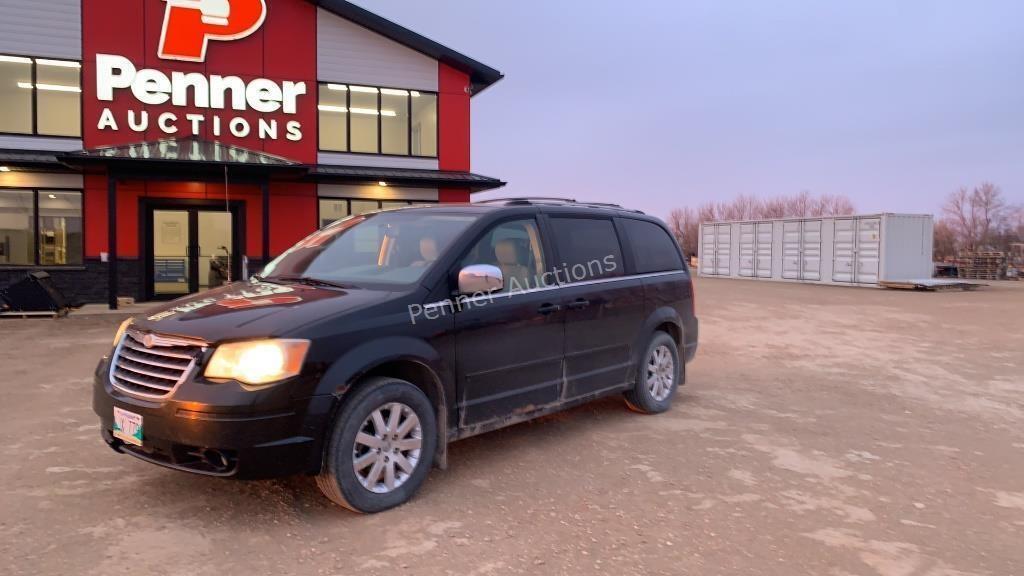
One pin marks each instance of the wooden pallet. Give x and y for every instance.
(930, 285)
(46, 314)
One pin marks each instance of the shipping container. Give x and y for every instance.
(859, 250)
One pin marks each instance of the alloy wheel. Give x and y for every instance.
(387, 448)
(660, 373)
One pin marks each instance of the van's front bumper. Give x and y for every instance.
(261, 434)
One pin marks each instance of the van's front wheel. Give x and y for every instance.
(381, 448)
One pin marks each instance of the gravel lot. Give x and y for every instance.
(826, 431)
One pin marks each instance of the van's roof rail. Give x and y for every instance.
(551, 201)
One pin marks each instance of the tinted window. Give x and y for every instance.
(653, 249)
(588, 247)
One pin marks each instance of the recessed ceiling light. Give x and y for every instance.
(53, 196)
(4, 169)
(383, 183)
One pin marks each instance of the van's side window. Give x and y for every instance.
(588, 247)
(515, 248)
(653, 249)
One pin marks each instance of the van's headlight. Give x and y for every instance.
(121, 330)
(258, 362)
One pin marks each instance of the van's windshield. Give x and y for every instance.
(378, 248)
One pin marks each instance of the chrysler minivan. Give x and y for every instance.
(359, 354)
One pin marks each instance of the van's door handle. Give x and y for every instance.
(579, 304)
(546, 309)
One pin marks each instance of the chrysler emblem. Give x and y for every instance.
(147, 340)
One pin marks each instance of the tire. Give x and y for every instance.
(363, 467)
(658, 376)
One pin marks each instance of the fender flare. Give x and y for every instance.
(350, 368)
(662, 315)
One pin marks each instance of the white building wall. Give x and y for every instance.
(349, 53)
(377, 161)
(46, 28)
(40, 143)
(370, 192)
(22, 179)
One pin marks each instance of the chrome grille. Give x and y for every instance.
(152, 365)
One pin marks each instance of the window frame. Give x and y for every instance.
(36, 250)
(35, 99)
(380, 118)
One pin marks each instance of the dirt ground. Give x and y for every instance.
(826, 431)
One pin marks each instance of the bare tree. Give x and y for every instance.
(977, 216)
(834, 206)
(685, 222)
(944, 245)
(745, 207)
(799, 205)
(774, 208)
(685, 226)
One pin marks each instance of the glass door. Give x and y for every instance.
(191, 249)
(171, 251)
(216, 260)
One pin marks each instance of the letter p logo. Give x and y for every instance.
(189, 25)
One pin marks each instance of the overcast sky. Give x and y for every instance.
(661, 104)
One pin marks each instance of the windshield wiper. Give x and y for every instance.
(309, 281)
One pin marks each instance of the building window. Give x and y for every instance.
(16, 229)
(364, 119)
(40, 228)
(394, 122)
(332, 209)
(371, 120)
(424, 124)
(40, 96)
(333, 110)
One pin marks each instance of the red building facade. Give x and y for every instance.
(214, 134)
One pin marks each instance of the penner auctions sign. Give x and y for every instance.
(206, 101)
(196, 91)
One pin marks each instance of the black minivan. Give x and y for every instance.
(362, 351)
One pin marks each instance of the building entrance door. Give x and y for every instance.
(190, 249)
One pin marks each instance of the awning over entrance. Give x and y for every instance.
(195, 158)
(405, 177)
(187, 157)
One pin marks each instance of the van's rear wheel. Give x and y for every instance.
(658, 376)
(381, 448)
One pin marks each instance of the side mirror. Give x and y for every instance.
(480, 278)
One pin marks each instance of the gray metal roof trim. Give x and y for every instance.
(29, 156)
(370, 171)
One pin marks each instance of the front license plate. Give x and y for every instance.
(128, 426)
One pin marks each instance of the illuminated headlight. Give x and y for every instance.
(258, 362)
(121, 330)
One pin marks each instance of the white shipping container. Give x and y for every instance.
(845, 250)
